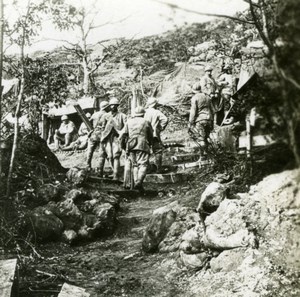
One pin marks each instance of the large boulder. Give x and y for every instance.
(43, 225)
(106, 219)
(226, 228)
(158, 227)
(212, 196)
(194, 261)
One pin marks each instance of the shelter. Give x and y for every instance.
(52, 118)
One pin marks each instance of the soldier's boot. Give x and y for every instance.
(101, 166)
(116, 169)
(158, 162)
(142, 171)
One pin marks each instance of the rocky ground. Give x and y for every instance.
(200, 237)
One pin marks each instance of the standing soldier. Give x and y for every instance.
(158, 122)
(201, 116)
(114, 122)
(210, 88)
(140, 136)
(95, 137)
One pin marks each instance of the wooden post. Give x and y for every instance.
(133, 101)
(249, 142)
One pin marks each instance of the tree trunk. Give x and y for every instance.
(1, 89)
(86, 77)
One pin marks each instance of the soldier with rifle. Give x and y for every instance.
(114, 122)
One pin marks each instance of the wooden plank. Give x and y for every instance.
(169, 178)
(185, 158)
(8, 279)
(72, 291)
(83, 117)
(258, 140)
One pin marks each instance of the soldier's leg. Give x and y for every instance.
(157, 151)
(142, 161)
(57, 139)
(102, 155)
(116, 152)
(92, 143)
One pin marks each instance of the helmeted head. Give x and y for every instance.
(139, 111)
(113, 104)
(64, 118)
(104, 105)
(208, 68)
(151, 102)
(196, 87)
(114, 101)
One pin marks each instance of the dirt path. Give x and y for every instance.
(112, 267)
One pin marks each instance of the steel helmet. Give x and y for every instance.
(104, 105)
(208, 68)
(114, 101)
(139, 111)
(196, 87)
(151, 102)
(64, 117)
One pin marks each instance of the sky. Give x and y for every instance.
(139, 18)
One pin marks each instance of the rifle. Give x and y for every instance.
(83, 117)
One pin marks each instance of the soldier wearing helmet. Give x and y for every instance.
(158, 122)
(66, 133)
(98, 121)
(114, 122)
(139, 134)
(201, 116)
(207, 82)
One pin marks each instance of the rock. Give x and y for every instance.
(69, 236)
(77, 176)
(158, 227)
(195, 261)
(106, 219)
(226, 229)
(43, 224)
(75, 195)
(227, 260)
(48, 192)
(212, 196)
(186, 218)
(69, 213)
(101, 197)
(191, 240)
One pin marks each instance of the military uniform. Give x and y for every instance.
(158, 122)
(201, 117)
(66, 133)
(98, 121)
(114, 122)
(140, 136)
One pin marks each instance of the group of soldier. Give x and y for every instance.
(140, 135)
(112, 132)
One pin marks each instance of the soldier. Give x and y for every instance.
(95, 136)
(207, 83)
(66, 133)
(114, 122)
(158, 122)
(201, 116)
(140, 136)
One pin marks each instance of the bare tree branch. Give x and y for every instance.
(174, 6)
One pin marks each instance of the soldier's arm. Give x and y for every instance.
(163, 121)
(193, 112)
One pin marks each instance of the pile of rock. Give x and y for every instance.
(71, 215)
